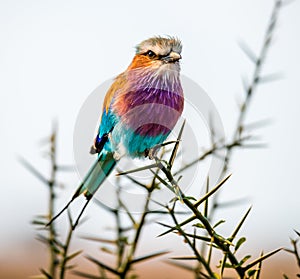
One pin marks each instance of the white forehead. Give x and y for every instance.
(160, 45)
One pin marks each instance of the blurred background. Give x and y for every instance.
(55, 53)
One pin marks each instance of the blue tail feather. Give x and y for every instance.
(97, 174)
(92, 181)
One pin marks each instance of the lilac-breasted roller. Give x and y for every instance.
(139, 111)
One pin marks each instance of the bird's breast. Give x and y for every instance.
(149, 112)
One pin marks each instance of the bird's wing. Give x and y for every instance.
(115, 89)
(108, 118)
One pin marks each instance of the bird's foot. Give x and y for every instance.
(152, 152)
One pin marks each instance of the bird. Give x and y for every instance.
(139, 111)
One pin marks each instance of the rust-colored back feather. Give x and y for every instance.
(119, 83)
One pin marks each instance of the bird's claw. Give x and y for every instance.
(152, 152)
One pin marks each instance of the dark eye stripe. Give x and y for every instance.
(150, 54)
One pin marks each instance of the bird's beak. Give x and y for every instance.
(172, 57)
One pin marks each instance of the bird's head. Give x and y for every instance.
(158, 54)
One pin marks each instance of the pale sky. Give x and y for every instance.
(53, 54)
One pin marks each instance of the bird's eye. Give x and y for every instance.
(150, 54)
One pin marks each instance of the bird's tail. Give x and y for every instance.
(92, 181)
(96, 175)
